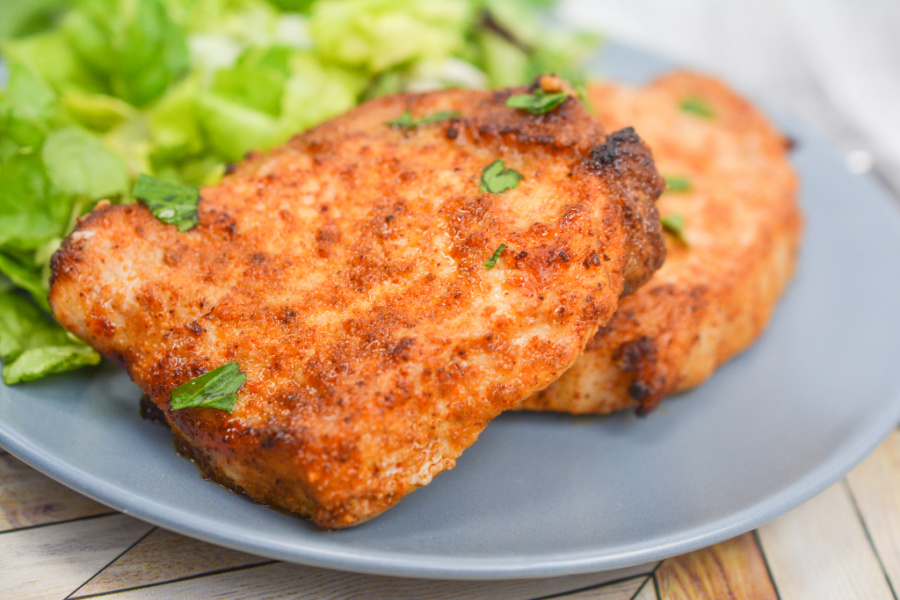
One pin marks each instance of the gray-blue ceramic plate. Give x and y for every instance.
(543, 495)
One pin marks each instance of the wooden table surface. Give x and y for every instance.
(54, 543)
(834, 64)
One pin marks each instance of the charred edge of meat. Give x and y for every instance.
(639, 186)
(640, 356)
(151, 413)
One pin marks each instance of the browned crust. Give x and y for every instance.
(711, 300)
(345, 273)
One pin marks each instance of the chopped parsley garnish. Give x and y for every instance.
(495, 256)
(216, 389)
(406, 120)
(697, 106)
(678, 185)
(538, 103)
(496, 178)
(169, 202)
(674, 224)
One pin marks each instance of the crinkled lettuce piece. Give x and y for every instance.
(51, 55)
(380, 34)
(79, 163)
(32, 210)
(132, 45)
(20, 17)
(269, 97)
(517, 43)
(32, 346)
(30, 107)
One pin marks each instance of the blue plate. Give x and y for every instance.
(540, 494)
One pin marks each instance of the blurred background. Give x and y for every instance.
(833, 63)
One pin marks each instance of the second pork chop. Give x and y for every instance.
(732, 184)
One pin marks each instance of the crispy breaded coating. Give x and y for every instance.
(731, 181)
(345, 272)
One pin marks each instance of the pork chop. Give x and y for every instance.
(358, 276)
(731, 181)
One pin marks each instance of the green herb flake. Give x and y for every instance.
(406, 120)
(678, 185)
(216, 389)
(489, 263)
(496, 178)
(697, 106)
(169, 202)
(674, 224)
(538, 103)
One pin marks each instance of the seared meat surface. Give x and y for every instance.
(733, 184)
(345, 273)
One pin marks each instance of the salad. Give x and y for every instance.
(97, 92)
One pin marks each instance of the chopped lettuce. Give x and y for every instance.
(32, 346)
(380, 34)
(133, 45)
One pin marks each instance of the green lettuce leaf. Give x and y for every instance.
(32, 210)
(32, 346)
(79, 163)
(133, 45)
(380, 34)
(19, 17)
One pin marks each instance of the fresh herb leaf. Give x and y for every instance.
(697, 106)
(678, 185)
(489, 263)
(216, 389)
(169, 202)
(538, 103)
(496, 178)
(674, 224)
(406, 120)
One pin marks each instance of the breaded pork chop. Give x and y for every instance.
(730, 180)
(347, 274)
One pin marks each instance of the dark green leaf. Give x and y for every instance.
(169, 202)
(406, 120)
(496, 178)
(216, 389)
(678, 185)
(134, 46)
(697, 106)
(489, 263)
(32, 346)
(32, 210)
(674, 224)
(27, 277)
(538, 103)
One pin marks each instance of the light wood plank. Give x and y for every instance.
(52, 561)
(165, 556)
(28, 498)
(648, 592)
(875, 484)
(619, 590)
(820, 550)
(281, 580)
(732, 569)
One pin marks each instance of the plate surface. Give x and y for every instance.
(542, 495)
